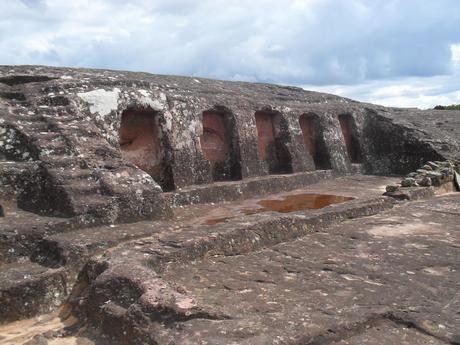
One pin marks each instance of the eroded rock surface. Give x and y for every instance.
(71, 123)
(401, 265)
(174, 210)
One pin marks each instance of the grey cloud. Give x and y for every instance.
(315, 42)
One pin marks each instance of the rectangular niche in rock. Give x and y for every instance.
(350, 138)
(273, 137)
(219, 144)
(142, 144)
(314, 141)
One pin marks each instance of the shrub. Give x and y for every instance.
(447, 107)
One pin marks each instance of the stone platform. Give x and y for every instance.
(336, 286)
(148, 209)
(371, 270)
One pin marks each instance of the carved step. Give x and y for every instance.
(55, 143)
(10, 172)
(48, 135)
(28, 289)
(357, 168)
(237, 190)
(74, 248)
(33, 127)
(81, 187)
(12, 166)
(72, 174)
(90, 203)
(64, 161)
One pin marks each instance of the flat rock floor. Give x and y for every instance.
(357, 186)
(393, 278)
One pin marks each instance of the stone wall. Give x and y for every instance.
(106, 144)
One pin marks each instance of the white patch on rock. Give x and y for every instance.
(187, 136)
(168, 120)
(101, 101)
(186, 303)
(144, 93)
(406, 229)
(155, 104)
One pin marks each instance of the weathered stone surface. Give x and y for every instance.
(28, 289)
(438, 174)
(324, 287)
(425, 182)
(427, 167)
(305, 288)
(141, 201)
(69, 122)
(409, 182)
(388, 333)
(392, 188)
(37, 340)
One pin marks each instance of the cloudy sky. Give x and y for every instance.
(391, 52)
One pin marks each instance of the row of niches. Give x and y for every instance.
(144, 144)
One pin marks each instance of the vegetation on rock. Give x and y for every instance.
(447, 107)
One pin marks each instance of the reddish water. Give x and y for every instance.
(285, 204)
(297, 202)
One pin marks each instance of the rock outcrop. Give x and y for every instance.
(68, 148)
(175, 210)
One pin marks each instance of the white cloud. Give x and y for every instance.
(405, 92)
(455, 49)
(357, 47)
(420, 92)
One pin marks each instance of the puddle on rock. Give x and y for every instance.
(283, 204)
(298, 202)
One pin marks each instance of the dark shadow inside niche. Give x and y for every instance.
(144, 144)
(350, 138)
(219, 144)
(314, 141)
(273, 137)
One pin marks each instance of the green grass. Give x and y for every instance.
(447, 107)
